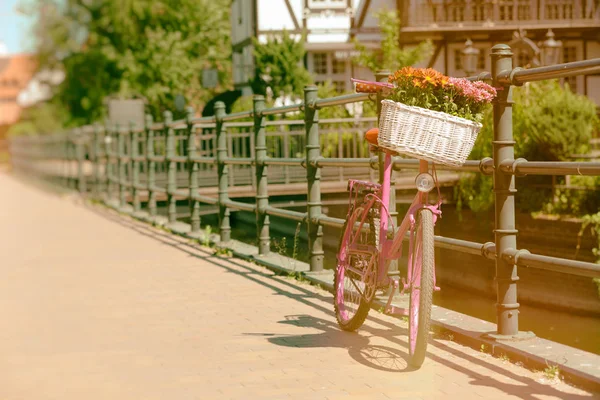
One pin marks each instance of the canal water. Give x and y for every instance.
(287, 238)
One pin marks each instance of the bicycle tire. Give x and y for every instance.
(421, 297)
(351, 308)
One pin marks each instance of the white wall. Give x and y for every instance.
(370, 21)
(273, 15)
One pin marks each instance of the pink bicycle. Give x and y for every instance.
(367, 248)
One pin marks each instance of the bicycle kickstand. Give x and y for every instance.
(389, 309)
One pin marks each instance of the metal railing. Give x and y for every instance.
(127, 152)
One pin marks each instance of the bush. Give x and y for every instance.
(550, 123)
(583, 198)
(243, 103)
(41, 119)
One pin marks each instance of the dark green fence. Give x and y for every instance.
(126, 163)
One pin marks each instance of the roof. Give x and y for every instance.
(15, 73)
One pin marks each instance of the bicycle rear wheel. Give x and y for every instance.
(421, 293)
(355, 275)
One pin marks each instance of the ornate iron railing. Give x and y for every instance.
(126, 161)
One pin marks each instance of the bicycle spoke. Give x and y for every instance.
(357, 288)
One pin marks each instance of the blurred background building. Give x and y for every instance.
(541, 32)
(16, 71)
(22, 86)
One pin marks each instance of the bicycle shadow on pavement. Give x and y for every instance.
(379, 357)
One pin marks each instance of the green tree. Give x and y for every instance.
(41, 119)
(391, 55)
(279, 65)
(152, 49)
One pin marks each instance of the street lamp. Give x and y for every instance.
(550, 49)
(470, 55)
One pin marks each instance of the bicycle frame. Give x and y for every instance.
(391, 249)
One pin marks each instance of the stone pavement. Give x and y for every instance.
(99, 307)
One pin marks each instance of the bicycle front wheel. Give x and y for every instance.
(421, 293)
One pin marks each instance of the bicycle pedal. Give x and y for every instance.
(437, 288)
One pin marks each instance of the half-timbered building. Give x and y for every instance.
(331, 26)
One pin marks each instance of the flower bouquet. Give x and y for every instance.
(428, 115)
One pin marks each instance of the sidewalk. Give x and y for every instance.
(95, 307)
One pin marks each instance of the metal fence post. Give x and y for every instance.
(504, 189)
(96, 152)
(151, 166)
(80, 155)
(224, 227)
(193, 173)
(262, 194)
(121, 165)
(313, 176)
(135, 168)
(172, 167)
(64, 165)
(108, 167)
(70, 158)
(64, 160)
(286, 151)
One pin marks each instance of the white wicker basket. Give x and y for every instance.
(429, 135)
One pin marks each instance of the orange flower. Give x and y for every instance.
(409, 72)
(430, 79)
(431, 76)
(406, 72)
(420, 77)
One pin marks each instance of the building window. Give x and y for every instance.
(320, 63)
(458, 60)
(338, 66)
(327, 67)
(570, 55)
(481, 60)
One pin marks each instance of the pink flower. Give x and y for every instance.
(477, 91)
